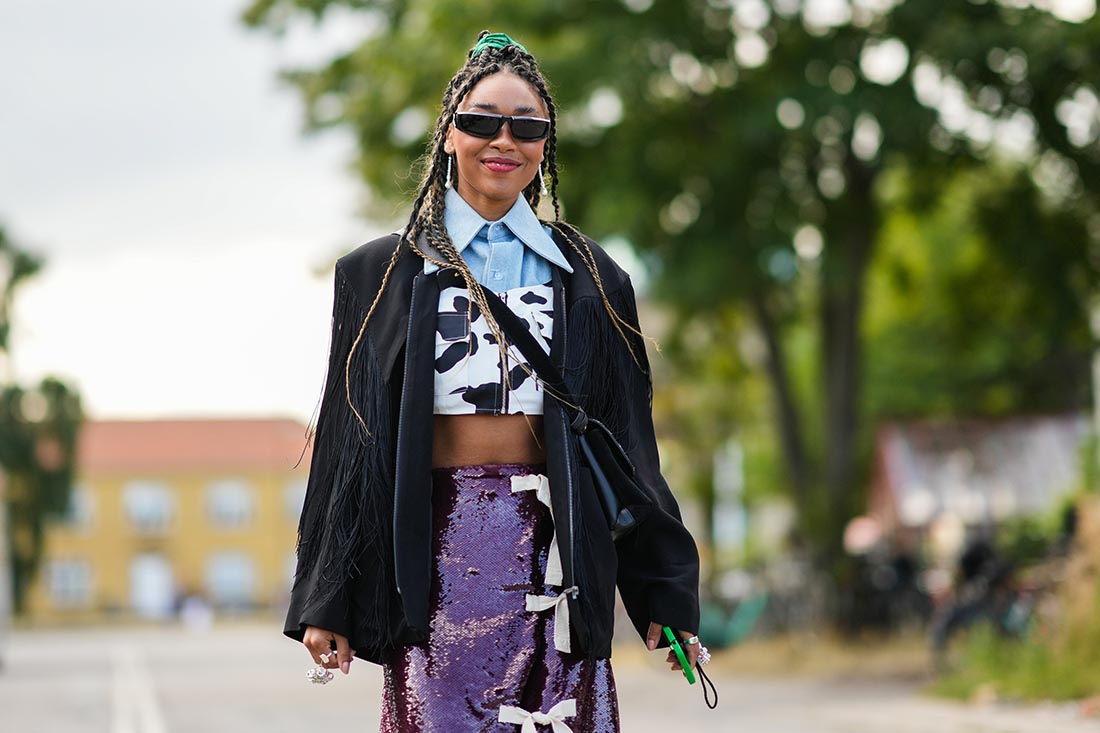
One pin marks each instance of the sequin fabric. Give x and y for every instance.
(484, 650)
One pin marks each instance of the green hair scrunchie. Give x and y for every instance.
(495, 40)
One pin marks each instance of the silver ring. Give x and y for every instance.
(319, 675)
(692, 640)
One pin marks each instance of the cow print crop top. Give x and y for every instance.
(469, 375)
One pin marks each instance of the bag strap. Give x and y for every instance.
(520, 335)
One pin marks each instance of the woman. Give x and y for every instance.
(450, 531)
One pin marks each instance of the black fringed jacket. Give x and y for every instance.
(364, 538)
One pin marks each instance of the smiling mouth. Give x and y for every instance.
(500, 166)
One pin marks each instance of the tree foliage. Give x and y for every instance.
(716, 135)
(981, 305)
(38, 437)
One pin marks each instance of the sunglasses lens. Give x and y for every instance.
(478, 125)
(528, 128)
(481, 125)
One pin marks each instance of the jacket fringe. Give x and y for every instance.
(346, 526)
(658, 563)
(599, 367)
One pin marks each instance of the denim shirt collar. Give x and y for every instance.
(463, 224)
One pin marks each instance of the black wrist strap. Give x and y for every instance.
(706, 681)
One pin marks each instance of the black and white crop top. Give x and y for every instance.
(469, 375)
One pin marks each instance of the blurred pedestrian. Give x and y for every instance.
(451, 530)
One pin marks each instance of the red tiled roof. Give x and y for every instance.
(154, 446)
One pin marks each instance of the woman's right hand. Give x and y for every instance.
(320, 641)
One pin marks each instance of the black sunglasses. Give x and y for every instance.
(484, 124)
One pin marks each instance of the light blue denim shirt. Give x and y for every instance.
(516, 251)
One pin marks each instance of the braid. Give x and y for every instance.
(533, 192)
(427, 215)
(362, 330)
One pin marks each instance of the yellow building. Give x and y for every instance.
(166, 509)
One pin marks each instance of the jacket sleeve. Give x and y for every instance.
(329, 530)
(658, 568)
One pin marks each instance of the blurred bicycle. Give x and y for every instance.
(989, 589)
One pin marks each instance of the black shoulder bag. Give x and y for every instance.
(625, 503)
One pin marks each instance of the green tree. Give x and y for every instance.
(981, 305)
(716, 135)
(38, 435)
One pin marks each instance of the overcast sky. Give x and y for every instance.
(149, 153)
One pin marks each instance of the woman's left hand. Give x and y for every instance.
(691, 650)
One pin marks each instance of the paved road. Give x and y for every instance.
(248, 679)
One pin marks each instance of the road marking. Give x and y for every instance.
(134, 707)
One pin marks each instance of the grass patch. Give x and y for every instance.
(1036, 668)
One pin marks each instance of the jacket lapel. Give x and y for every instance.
(389, 325)
(413, 469)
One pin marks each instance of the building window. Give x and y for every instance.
(81, 510)
(295, 498)
(149, 506)
(229, 503)
(152, 585)
(70, 582)
(230, 579)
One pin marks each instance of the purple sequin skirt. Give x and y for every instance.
(485, 651)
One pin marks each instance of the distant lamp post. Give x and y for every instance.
(730, 517)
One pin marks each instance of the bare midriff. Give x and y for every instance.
(470, 440)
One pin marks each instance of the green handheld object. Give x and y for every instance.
(674, 642)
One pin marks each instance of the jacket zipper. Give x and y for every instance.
(504, 383)
(401, 418)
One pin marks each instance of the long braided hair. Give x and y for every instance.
(427, 211)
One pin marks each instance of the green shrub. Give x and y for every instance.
(1042, 666)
